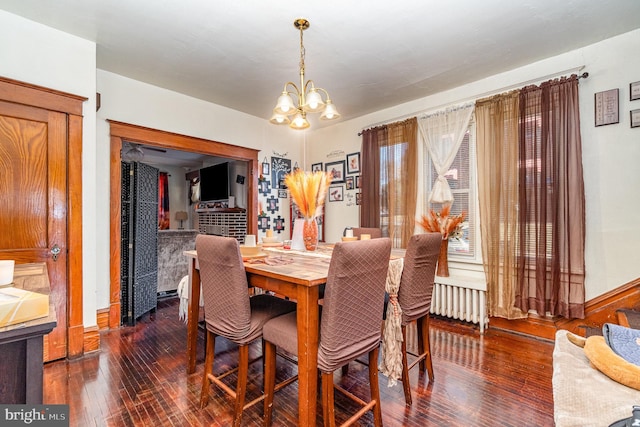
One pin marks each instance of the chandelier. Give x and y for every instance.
(308, 97)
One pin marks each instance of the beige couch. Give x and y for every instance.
(582, 395)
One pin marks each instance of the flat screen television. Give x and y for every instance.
(214, 182)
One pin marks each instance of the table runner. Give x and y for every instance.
(391, 349)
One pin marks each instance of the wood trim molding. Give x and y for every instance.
(102, 318)
(91, 341)
(74, 237)
(41, 97)
(120, 132)
(598, 311)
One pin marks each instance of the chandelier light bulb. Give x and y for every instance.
(300, 121)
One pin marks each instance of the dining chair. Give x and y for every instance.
(414, 298)
(231, 313)
(375, 233)
(349, 324)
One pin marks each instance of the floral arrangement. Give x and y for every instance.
(308, 190)
(448, 226)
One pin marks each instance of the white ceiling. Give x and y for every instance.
(368, 55)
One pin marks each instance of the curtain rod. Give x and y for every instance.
(489, 93)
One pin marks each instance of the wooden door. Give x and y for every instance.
(33, 208)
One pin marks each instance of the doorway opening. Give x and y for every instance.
(122, 134)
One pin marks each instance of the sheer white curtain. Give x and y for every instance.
(442, 134)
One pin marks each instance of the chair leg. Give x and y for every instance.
(405, 368)
(420, 331)
(375, 387)
(241, 387)
(269, 380)
(425, 351)
(210, 351)
(328, 403)
(345, 370)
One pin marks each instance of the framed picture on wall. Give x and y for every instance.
(280, 167)
(635, 118)
(634, 91)
(316, 167)
(278, 224)
(336, 193)
(353, 163)
(264, 186)
(606, 107)
(349, 183)
(263, 222)
(357, 181)
(272, 204)
(337, 171)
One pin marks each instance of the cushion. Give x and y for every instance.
(609, 363)
(625, 342)
(582, 395)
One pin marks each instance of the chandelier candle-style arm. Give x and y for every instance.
(309, 98)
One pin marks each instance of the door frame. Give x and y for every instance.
(53, 100)
(120, 132)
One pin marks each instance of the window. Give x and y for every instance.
(461, 179)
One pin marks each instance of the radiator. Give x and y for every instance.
(461, 301)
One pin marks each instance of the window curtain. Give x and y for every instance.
(400, 171)
(372, 139)
(164, 221)
(443, 133)
(389, 179)
(551, 198)
(497, 157)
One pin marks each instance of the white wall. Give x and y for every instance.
(610, 153)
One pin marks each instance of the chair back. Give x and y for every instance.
(375, 233)
(353, 301)
(418, 274)
(227, 311)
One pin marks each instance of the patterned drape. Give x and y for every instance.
(164, 221)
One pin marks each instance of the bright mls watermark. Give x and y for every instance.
(34, 415)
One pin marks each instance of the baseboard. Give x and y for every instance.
(597, 312)
(91, 340)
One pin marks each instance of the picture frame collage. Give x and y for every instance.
(345, 177)
(634, 95)
(271, 186)
(606, 106)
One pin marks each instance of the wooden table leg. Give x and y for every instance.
(193, 316)
(307, 354)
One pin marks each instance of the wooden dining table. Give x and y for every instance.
(298, 279)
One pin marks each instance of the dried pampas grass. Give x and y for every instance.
(441, 222)
(308, 190)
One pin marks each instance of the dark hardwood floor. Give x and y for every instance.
(138, 379)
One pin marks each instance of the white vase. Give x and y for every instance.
(297, 240)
